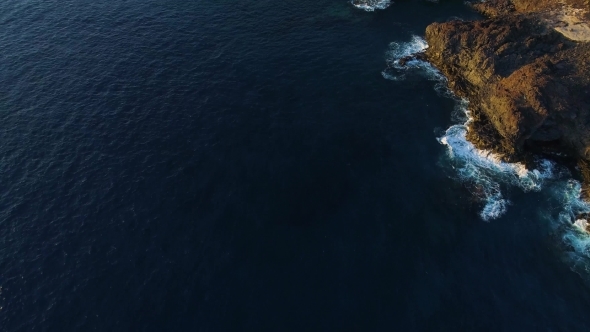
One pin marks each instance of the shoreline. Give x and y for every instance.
(526, 71)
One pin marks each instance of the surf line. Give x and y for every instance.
(488, 176)
(371, 5)
(484, 171)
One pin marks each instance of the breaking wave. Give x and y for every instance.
(485, 172)
(397, 72)
(371, 5)
(400, 50)
(489, 178)
(571, 226)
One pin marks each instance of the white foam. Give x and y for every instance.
(371, 5)
(391, 77)
(489, 177)
(397, 51)
(483, 170)
(570, 225)
(581, 224)
(486, 171)
(494, 208)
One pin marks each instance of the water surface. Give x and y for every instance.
(244, 165)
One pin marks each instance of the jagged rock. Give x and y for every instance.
(416, 56)
(528, 85)
(496, 8)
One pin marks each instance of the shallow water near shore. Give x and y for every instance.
(257, 165)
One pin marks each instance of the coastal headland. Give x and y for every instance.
(525, 69)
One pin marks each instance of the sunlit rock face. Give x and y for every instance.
(371, 5)
(528, 84)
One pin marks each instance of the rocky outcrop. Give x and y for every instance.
(528, 83)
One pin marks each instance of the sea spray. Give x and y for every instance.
(397, 72)
(488, 176)
(570, 223)
(371, 5)
(486, 171)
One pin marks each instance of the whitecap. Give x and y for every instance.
(571, 224)
(489, 177)
(484, 171)
(371, 5)
(399, 50)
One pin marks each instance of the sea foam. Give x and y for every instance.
(371, 5)
(489, 177)
(397, 72)
(571, 227)
(484, 171)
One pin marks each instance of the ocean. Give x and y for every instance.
(264, 166)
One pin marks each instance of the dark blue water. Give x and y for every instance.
(244, 166)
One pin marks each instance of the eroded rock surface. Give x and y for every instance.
(528, 84)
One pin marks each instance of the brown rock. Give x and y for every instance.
(528, 85)
(496, 8)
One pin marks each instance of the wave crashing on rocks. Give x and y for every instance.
(488, 177)
(485, 172)
(396, 71)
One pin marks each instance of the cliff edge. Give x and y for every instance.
(526, 72)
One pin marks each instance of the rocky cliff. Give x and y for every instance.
(526, 72)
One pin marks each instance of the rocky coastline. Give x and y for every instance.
(525, 68)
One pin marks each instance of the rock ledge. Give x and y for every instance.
(526, 72)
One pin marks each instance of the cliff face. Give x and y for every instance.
(528, 82)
